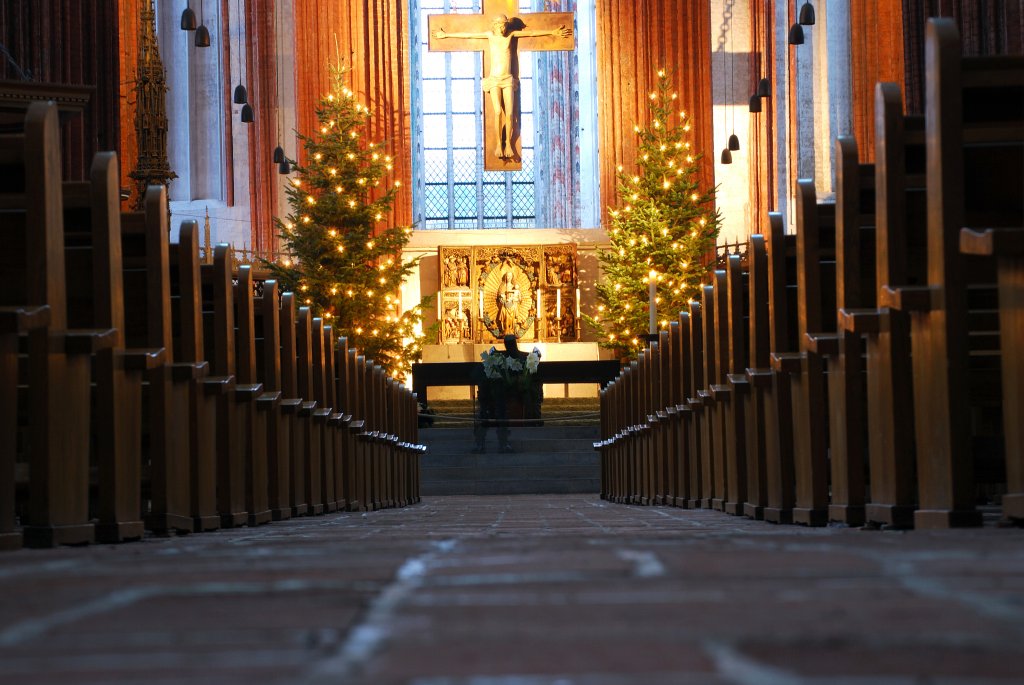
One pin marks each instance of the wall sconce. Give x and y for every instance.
(188, 17)
(807, 14)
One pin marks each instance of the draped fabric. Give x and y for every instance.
(260, 51)
(987, 27)
(634, 40)
(761, 142)
(876, 52)
(76, 43)
(557, 150)
(372, 38)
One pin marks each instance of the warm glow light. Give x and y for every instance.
(318, 156)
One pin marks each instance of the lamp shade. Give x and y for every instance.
(755, 104)
(248, 115)
(734, 142)
(202, 37)
(188, 19)
(807, 14)
(796, 34)
(764, 88)
(284, 168)
(278, 154)
(241, 96)
(726, 156)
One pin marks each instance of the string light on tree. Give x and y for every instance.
(660, 236)
(338, 241)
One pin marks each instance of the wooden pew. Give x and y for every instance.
(232, 399)
(95, 298)
(711, 436)
(676, 445)
(697, 490)
(349, 456)
(687, 417)
(314, 417)
(191, 367)
(974, 130)
(267, 326)
(719, 391)
(254, 405)
(737, 314)
(148, 323)
(324, 415)
(844, 351)
(783, 339)
(33, 303)
(666, 422)
(355, 397)
(336, 421)
(297, 412)
(1006, 246)
(900, 207)
(756, 401)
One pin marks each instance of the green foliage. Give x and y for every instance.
(664, 223)
(345, 261)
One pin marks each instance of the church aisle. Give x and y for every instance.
(520, 590)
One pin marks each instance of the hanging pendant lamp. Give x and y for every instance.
(284, 168)
(278, 154)
(734, 142)
(726, 156)
(188, 17)
(764, 88)
(796, 34)
(202, 33)
(248, 115)
(807, 14)
(755, 103)
(241, 96)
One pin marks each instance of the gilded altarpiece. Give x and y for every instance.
(486, 293)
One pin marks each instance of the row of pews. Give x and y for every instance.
(867, 369)
(142, 390)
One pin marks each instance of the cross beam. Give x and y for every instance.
(539, 31)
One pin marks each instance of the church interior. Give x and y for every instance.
(761, 263)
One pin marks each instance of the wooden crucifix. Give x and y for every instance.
(500, 33)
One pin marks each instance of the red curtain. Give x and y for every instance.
(372, 37)
(634, 40)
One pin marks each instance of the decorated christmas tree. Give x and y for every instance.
(663, 229)
(343, 259)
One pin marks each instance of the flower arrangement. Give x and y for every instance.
(514, 374)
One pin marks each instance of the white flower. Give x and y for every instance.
(533, 361)
(514, 365)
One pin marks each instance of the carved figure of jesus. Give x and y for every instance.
(500, 82)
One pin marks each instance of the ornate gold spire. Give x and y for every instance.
(152, 166)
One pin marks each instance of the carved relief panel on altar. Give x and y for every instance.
(486, 293)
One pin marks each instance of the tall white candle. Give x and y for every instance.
(481, 304)
(652, 293)
(558, 304)
(577, 303)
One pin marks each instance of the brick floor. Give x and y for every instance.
(525, 590)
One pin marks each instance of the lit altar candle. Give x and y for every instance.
(577, 303)
(652, 291)
(481, 304)
(558, 304)
(539, 310)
